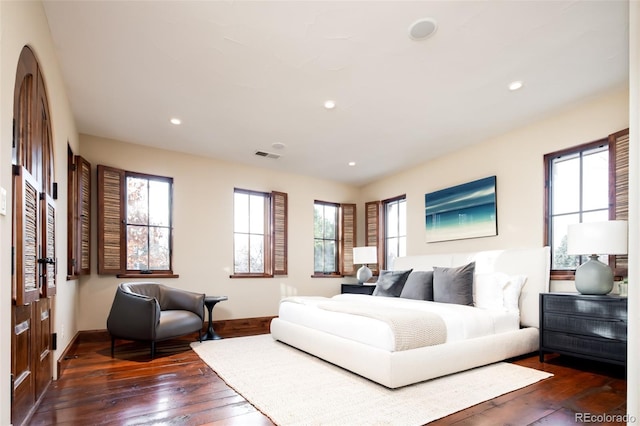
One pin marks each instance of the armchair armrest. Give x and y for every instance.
(173, 298)
(133, 316)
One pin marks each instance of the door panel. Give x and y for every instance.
(42, 362)
(22, 362)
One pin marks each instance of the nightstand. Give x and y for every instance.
(586, 326)
(357, 288)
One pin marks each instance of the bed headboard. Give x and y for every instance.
(532, 262)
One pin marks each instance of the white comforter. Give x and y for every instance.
(462, 322)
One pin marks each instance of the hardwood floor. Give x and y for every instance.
(177, 388)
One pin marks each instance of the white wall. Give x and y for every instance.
(24, 23)
(516, 159)
(203, 230)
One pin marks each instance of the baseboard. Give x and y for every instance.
(232, 327)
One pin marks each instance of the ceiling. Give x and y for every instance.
(245, 75)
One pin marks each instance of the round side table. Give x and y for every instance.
(210, 302)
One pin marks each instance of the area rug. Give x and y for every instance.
(295, 388)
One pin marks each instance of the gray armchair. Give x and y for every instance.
(151, 312)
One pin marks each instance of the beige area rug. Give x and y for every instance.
(294, 388)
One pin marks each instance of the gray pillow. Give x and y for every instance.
(454, 285)
(390, 283)
(419, 286)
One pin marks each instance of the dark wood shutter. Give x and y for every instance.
(347, 238)
(619, 152)
(279, 212)
(111, 232)
(48, 255)
(374, 232)
(83, 190)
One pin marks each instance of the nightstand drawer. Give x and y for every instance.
(609, 328)
(609, 349)
(592, 306)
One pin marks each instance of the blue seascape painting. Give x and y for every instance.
(463, 211)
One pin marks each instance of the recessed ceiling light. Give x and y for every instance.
(423, 29)
(515, 85)
(352, 163)
(175, 121)
(278, 145)
(329, 104)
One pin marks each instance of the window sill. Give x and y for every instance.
(154, 275)
(327, 276)
(251, 276)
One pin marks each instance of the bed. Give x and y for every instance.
(398, 341)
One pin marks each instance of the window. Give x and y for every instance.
(134, 223)
(395, 229)
(586, 183)
(333, 238)
(386, 227)
(259, 233)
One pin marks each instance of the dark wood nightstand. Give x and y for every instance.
(357, 288)
(586, 326)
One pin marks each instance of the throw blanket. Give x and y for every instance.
(411, 328)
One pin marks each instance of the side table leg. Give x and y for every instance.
(211, 334)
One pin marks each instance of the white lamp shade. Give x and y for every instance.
(365, 255)
(608, 237)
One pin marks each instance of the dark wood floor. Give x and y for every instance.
(177, 388)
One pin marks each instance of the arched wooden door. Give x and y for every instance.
(33, 243)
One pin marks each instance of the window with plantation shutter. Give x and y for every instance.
(134, 224)
(259, 234)
(334, 239)
(585, 183)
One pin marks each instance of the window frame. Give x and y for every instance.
(112, 224)
(614, 203)
(385, 231)
(275, 242)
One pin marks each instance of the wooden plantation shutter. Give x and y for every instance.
(619, 176)
(79, 216)
(347, 238)
(374, 232)
(27, 226)
(279, 213)
(48, 258)
(83, 169)
(111, 235)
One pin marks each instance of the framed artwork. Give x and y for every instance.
(462, 211)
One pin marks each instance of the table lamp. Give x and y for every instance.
(363, 256)
(593, 238)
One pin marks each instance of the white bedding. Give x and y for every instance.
(462, 322)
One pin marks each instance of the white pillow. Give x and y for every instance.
(488, 290)
(498, 291)
(511, 293)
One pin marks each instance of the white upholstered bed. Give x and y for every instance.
(346, 330)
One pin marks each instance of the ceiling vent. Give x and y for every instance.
(267, 155)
